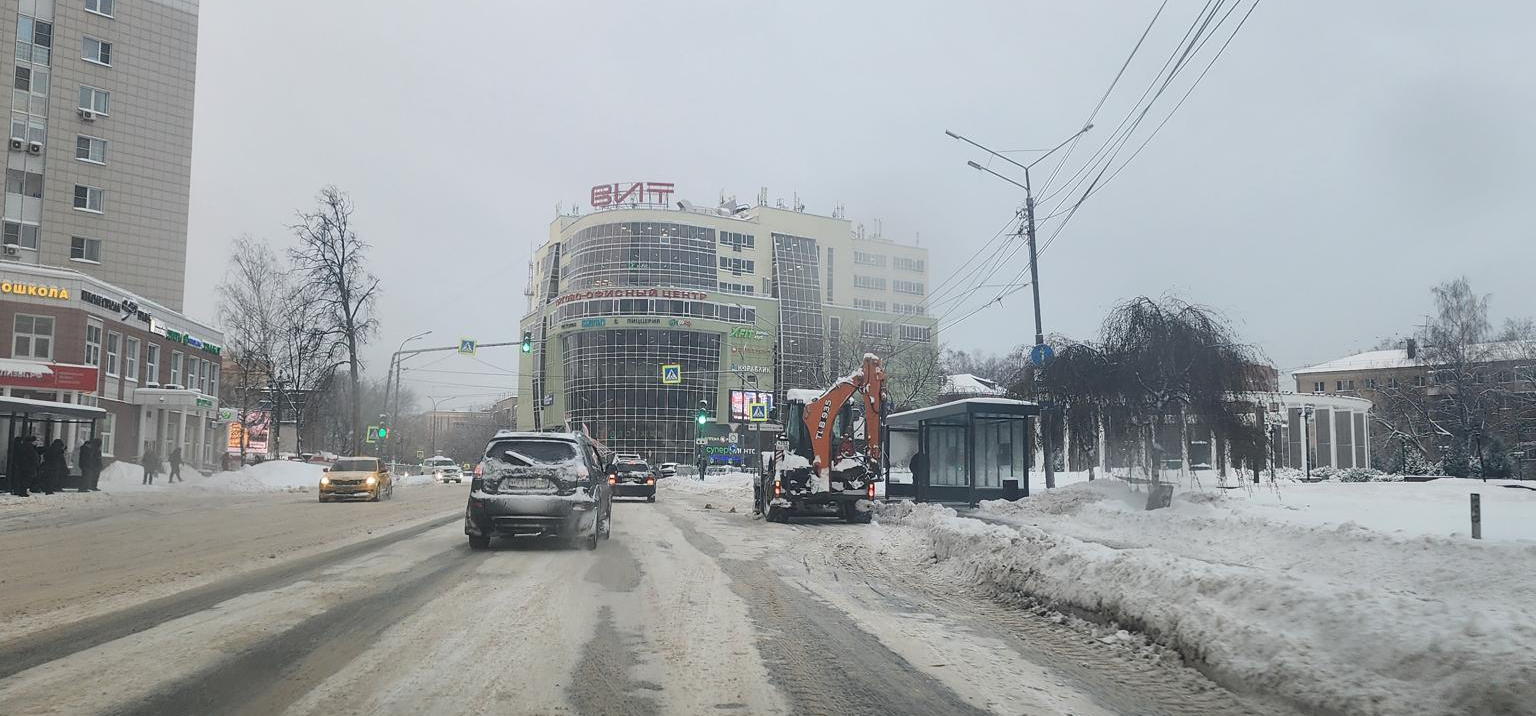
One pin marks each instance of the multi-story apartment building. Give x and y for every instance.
(99, 155)
(744, 301)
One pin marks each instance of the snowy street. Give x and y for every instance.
(207, 601)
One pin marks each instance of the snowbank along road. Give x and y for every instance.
(271, 603)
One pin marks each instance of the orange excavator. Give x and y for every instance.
(823, 463)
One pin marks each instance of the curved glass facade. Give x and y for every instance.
(612, 387)
(641, 253)
(734, 313)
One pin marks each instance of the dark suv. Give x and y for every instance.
(632, 478)
(546, 485)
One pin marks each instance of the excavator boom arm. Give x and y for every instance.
(820, 413)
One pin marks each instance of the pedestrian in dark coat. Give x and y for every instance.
(90, 465)
(151, 460)
(25, 461)
(175, 475)
(55, 466)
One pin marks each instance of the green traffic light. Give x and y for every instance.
(383, 432)
(702, 418)
(527, 341)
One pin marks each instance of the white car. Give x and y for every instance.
(667, 469)
(443, 469)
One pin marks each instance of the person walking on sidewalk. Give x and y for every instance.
(175, 475)
(151, 460)
(55, 467)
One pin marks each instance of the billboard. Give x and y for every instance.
(741, 401)
(252, 429)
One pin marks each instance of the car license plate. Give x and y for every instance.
(525, 483)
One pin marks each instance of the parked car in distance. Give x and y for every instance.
(632, 478)
(547, 485)
(356, 477)
(442, 469)
(667, 469)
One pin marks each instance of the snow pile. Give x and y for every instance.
(1341, 619)
(269, 476)
(731, 485)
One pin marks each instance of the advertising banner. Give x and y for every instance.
(742, 400)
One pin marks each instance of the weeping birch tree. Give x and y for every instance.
(1155, 361)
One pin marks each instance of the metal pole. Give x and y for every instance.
(1477, 515)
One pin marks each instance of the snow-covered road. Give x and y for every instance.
(194, 603)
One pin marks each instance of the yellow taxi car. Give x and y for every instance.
(356, 478)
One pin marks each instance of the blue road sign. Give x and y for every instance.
(758, 412)
(467, 346)
(671, 374)
(1040, 355)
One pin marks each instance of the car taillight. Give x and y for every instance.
(650, 480)
(479, 470)
(778, 489)
(870, 489)
(613, 478)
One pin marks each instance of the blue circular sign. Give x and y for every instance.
(1040, 355)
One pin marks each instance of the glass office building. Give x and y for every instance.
(722, 300)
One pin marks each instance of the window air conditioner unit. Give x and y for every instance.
(34, 147)
(18, 144)
(87, 115)
(151, 384)
(174, 386)
(12, 251)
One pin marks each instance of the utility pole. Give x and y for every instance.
(1047, 421)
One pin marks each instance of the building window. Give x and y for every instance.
(152, 364)
(29, 128)
(24, 183)
(874, 329)
(33, 337)
(202, 376)
(1319, 387)
(213, 379)
(914, 333)
(875, 282)
(94, 50)
(737, 241)
(864, 258)
(1418, 380)
(868, 305)
(742, 288)
(89, 198)
(907, 264)
(1392, 382)
(175, 368)
(131, 359)
(912, 287)
(100, 7)
(34, 39)
(911, 309)
(831, 256)
(90, 149)
(1370, 383)
(93, 343)
(114, 342)
(84, 249)
(737, 266)
(23, 235)
(95, 100)
(31, 79)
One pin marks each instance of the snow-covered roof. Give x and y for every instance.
(960, 408)
(1398, 357)
(968, 384)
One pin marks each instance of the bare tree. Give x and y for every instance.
(307, 356)
(251, 306)
(330, 257)
(1475, 388)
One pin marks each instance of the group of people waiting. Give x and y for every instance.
(36, 468)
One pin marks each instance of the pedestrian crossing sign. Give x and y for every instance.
(467, 346)
(372, 431)
(671, 374)
(757, 412)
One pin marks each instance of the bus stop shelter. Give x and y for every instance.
(44, 418)
(967, 450)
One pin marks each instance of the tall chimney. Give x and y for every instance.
(1413, 349)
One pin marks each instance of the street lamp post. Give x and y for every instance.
(1034, 268)
(394, 370)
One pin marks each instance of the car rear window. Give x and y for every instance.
(545, 451)
(355, 466)
(633, 466)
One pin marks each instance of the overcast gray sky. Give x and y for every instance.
(1337, 161)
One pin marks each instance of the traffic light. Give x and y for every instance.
(527, 341)
(702, 416)
(383, 432)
